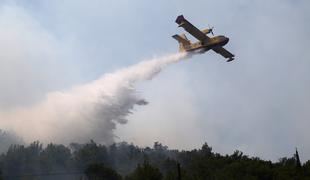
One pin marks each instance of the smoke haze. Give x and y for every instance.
(85, 112)
(259, 104)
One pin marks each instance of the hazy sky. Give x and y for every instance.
(259, 103)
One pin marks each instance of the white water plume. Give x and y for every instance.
(84, 112)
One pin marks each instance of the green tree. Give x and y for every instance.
(145, 172)
(306, 167)
(298, 163)
(91, 153)
(55, 157)
(206, 150)
(1, 175)
(100, 172)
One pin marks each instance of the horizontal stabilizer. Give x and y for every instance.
(181, 39)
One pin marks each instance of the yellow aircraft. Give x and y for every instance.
(205, 43)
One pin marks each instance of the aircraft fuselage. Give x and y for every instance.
(205, 46)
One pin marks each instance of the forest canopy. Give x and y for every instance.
(128, 161)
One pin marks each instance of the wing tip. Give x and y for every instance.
(180, 19)
(230, 59)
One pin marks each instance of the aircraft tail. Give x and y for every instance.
(183, 41)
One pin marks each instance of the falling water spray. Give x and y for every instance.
(84, 112)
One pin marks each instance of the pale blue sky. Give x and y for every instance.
(259, 103)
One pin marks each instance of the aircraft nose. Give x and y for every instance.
(227, 39)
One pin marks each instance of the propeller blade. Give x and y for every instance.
(211, 30)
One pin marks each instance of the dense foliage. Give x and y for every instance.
(100, 172)
(127, 161)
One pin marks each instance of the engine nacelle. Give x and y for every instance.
(207, 31)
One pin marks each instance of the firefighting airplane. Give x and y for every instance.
(205, 43)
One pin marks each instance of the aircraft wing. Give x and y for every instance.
(182, 22)
(222, 51)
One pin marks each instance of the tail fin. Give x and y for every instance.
(183, 41)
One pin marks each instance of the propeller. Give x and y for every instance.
(211, 30)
